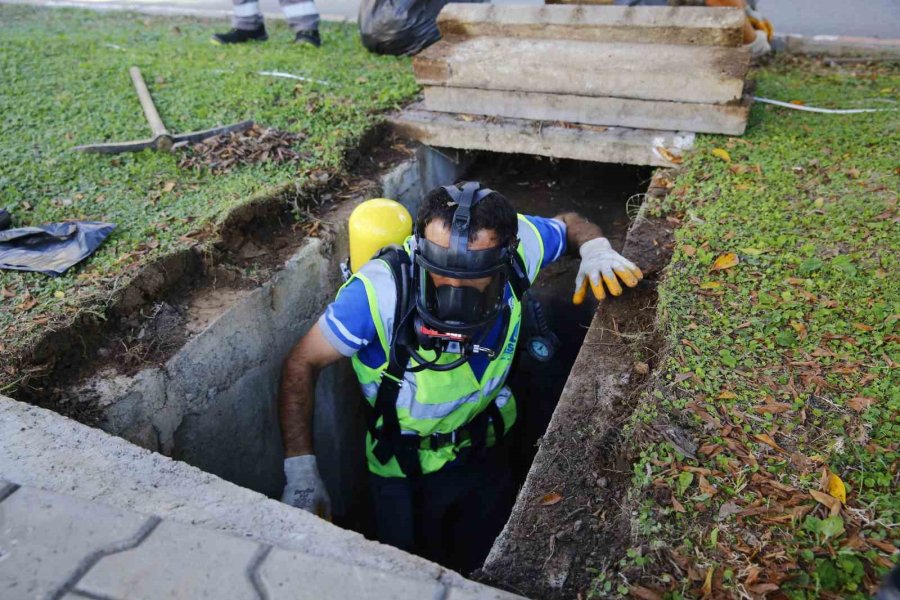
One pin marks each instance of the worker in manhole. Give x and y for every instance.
(432, 327)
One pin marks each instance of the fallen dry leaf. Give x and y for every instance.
(550, 499)
(833, 504)
(672, 158)
(688, 250)
(726, 395)
(644, 593)
(766, 439)
(169, 186)
(706, 487)
(29, 303)
(678, 506)
(725, 261)
(860, 403)
(773, 408)
(884, 546)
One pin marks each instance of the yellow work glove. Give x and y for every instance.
(757, 21)
(601, 265)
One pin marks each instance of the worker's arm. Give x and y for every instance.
(600, 264)
(304, 488)
(297, 394)
(578, 229)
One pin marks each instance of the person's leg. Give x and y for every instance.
(393, 500)
(484, 510)
(303, 19)
(246, 15)
(247, 24)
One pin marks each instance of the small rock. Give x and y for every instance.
(602, 482)
(577, 526)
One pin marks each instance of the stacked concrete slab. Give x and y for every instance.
(598, 70)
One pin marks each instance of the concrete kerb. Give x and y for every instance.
(837, 46)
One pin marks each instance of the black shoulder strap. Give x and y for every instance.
(389, 438)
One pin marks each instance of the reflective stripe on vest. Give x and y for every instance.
(434, 401)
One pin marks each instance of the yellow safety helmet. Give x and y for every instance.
(375, 224)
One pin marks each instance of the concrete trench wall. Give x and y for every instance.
(214, 403)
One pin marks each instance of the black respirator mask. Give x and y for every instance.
(465, 309)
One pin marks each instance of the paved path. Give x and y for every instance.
(868, 18)
(57, 546)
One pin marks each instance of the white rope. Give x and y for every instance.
(827, 111)
(290, 76)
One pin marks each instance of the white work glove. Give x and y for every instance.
(759, 46)
(600, 265)
(305, 488)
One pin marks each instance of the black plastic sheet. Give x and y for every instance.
(400, 26)
(52, 248)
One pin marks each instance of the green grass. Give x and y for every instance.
(794, 343)
(65, 82)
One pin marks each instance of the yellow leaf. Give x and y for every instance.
(550, 499)
(710, 285)
(837, 488)
(707, 584)
(725, 261)
(59, 294)
(819, 202)
(722, 153)
(169, 186)
(752, 251)
(727, 395)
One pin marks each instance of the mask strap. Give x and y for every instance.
(465, 198)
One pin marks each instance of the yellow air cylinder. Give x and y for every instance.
(375, 224)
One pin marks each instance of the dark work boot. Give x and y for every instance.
(310, 37)
(239, 36)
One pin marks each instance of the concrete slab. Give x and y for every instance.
(294, 576)
(519, 136)
(176, 562)
(707, 75)
(653, 25)
(48, 540)
(622, 112)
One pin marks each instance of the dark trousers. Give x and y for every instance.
(450, 517)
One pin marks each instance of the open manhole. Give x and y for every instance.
(207, 393)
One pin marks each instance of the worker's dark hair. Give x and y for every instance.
(493, 212)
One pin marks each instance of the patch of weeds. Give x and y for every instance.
(780, 313)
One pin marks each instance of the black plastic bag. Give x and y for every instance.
(52, 248)
(400, 26)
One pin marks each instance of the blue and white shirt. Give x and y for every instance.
(347, 322)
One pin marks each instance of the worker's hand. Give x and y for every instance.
(757, 21)
(601, 265)
(305, 488)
